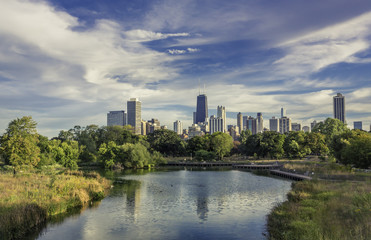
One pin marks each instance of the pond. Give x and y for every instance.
(178, 204)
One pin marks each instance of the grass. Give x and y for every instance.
(323, 210)
(30, 197)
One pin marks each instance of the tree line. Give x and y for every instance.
(117, 146)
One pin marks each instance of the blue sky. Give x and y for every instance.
(69, 62)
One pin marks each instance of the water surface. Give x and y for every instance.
(178, 205)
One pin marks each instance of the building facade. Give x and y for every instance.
(295, 126)
(216, 124)
(252, 125)
(134, 108)
(285, 125)
(260, 126)
(201, 109)
(222, 114)
(239, 122)
(178, 127)
(116, 118)
(274, 124)
(339, 107)
(357, 125)
(283, 112)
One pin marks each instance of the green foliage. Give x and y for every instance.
(166, 142)
(19, 144)
(358, 151)
(203, 155)
(295, 145)
(129, 155)
(330, 128)
(317, 143)
(221, 143)
(198, 143)
(271, 145)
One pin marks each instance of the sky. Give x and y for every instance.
(70, 62)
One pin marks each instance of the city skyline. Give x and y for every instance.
(65, 62)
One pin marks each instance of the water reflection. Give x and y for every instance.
(179, 205)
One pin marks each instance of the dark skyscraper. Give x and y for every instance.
(202, 109)
(339, 107)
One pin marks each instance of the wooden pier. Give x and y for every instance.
(200, 164)
(272, 168)
(256, 167)
(292, 176)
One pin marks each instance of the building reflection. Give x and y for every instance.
(131, 189)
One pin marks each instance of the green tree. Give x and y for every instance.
(203, 155)
(198, 143)
(243, 140)
(317, 143)
(271, 145)
(253, 145)
(65, 153)
(330, 128)
(358, 151)
(221, 143)
(295, 145)
(19, 144)
(166, 142)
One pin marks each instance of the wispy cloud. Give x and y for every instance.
(320, 49)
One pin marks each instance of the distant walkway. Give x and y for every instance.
(292, 176)
(272, 168)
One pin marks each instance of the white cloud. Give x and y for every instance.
(192, 50)
(317, 50)
(176, 51)
(144, 36)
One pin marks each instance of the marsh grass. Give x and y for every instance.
(323, 210)
(29, 198)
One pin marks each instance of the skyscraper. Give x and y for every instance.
(202, 108)
(216, 124)
(285, 125)
(339, 107)
(252, 125)
(296, 127)
(178, 127)
(259, 117)
(357, 125)
(221, 114)
(283, 112)
(239, 122)
(116, 118)
(134, 107)
(274, 124)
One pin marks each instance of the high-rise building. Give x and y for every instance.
(244, 121)
(274, 124)
(296, 127)
(339, 107)
(357, 125)
(283, 112)
(116, 118)
(285, 125)
(135, 114)
(259, 117)
(178, 127)
(153, 125)
(202, 109)
(216, 124)
(306, 129)
(252, 125)
(222, 114)
(144, 127)
(239, 122)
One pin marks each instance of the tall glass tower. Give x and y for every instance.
(134, 107)
(202, 109)
(339, 107)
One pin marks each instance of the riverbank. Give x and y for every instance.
(323, 210)
(30, 197)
